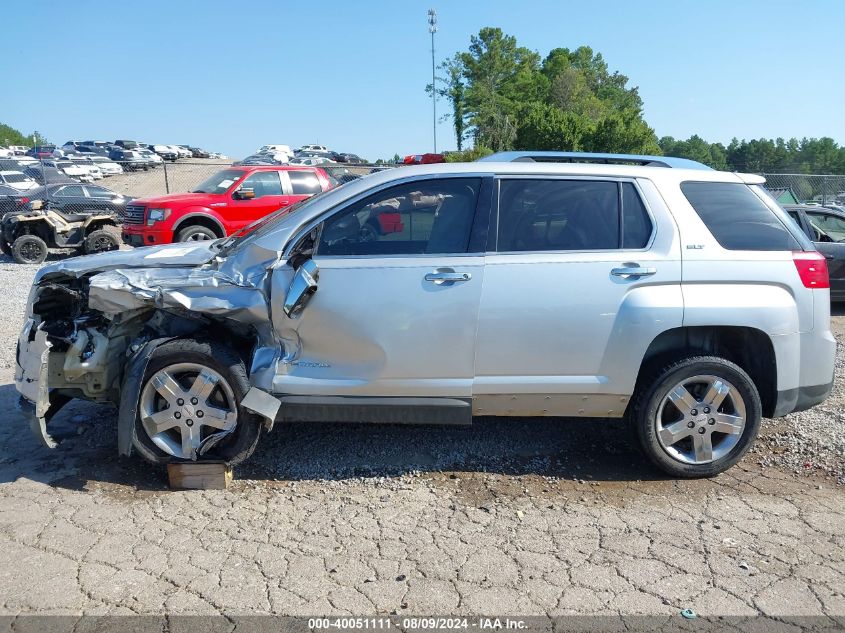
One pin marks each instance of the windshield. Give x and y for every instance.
(262, 226)
(219, 182)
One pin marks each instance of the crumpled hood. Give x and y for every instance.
(167, 255)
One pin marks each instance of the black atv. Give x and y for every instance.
(28, 236)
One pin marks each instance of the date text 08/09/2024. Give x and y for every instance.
(417, 623)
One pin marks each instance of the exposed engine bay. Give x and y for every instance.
(89, 327)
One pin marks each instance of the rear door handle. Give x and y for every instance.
(632, 271)
(447, 277)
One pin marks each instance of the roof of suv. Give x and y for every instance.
(552, 168)
(594, 158)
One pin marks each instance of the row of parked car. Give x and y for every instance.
(310, 155)
(120, 156)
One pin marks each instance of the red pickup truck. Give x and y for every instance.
(230, 200)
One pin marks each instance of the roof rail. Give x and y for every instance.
(602, 159)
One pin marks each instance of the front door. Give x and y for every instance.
(268, 196)
(583, 277)
(396, 309)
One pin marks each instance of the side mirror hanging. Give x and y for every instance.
(302, 286)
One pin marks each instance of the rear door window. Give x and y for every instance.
(304, 183)
(570, 215)
(737, 218)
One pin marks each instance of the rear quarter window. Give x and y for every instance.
(737, 218)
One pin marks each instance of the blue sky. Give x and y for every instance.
(232, 76)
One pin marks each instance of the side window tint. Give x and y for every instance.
(263, 183)
(71, 191)
(558, 215)
(304, 182)
(99, 192)
(636, 225)
(831, 225)
(737, 218)
(427, 216)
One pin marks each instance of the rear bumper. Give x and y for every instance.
(801, 398)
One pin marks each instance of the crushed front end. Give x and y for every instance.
(66, 350)
(90, 319)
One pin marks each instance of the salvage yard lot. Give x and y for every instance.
(510, 516)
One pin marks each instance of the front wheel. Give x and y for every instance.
(697, 417)
(189, 405)
(195, 234)
(29, 249)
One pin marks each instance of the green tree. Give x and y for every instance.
(500, 76)
(453, 91)
(11, 136)
(546, 127)
(617, 133)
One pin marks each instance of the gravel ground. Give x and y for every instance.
(804, 443)
(508, 516)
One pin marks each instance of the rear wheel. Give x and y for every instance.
(189, 405)
(104, 239)
(195, 233)
(29, 249)
(697, 417)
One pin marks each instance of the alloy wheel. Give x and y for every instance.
(701, 419)
(186, 408)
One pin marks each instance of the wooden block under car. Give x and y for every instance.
(199, 475)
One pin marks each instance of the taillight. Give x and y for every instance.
(812, 268)
(24, 200)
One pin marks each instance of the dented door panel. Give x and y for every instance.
(378, 327)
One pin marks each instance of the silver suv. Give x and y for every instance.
(533, 284)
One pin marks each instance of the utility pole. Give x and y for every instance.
(432, 28)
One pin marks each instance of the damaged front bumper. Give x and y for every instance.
(90, 330)
(31, 380)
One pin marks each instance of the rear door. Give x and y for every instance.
(269, 196)
(829, 239)
(301, 184)
(584, 273)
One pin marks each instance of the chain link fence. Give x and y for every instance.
(82, 184)
(826, 190)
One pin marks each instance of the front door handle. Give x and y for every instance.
(441, 277)
(632, 271)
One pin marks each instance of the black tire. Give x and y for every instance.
(5, 248)
(651, 394)
(105, 239)
(29, 249)
(233, 448)
(195, 233)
